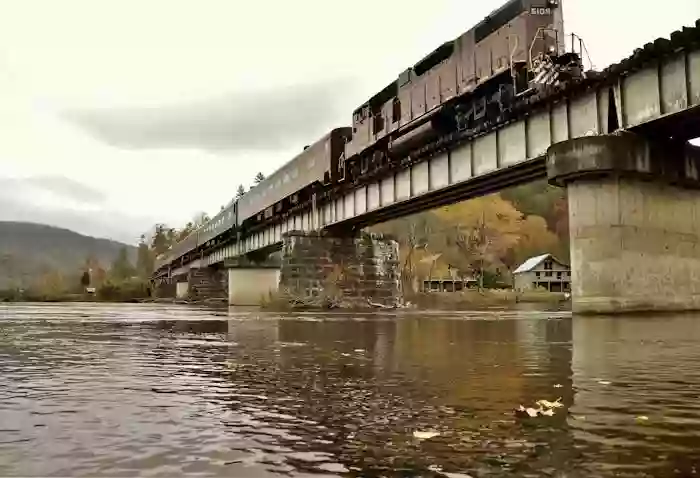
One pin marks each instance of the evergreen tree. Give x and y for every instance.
(144, 259)
(201, 219)
(240, 191)
(85, 279)
(121, 267)
(260, 177)
(185, 231)
(161, 239)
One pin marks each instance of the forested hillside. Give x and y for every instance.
(32, 253)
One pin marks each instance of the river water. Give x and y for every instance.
(126, 390)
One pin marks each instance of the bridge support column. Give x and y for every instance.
(164, 288)
(252, 284)
(182, 287)
(634, 218)
(346, 270)
(206, 283)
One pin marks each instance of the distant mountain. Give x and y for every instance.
(28, 251)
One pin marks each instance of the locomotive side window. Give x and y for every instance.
(378, 123)
(500, 18)
(396, 111)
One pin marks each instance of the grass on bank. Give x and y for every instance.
(130, 290)
(467, 299)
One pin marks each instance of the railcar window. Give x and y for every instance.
(500, 18)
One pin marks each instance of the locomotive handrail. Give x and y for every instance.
(512, 54)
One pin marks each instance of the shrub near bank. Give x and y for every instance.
(123, 291)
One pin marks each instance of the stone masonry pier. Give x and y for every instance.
(351, 270)
(197, 284)
(634, 214)
(207, 283)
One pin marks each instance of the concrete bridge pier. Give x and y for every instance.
(197, 283)
(251, 283)
(634, 218)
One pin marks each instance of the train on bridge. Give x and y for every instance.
(474, 80)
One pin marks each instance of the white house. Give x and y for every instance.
(544, 271)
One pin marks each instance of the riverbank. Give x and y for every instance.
(125, 291)
(68, 298)
(465, 300)
(486, 298)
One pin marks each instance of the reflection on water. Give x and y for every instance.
(155, 390)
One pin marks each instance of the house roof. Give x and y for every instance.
(531, 263)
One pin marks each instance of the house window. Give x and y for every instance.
(548, 265)
(537, 275)
(559, 275)
(548, 274)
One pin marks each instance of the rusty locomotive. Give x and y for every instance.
(515, 51)
(466, 83)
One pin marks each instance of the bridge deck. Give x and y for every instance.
(656, 88)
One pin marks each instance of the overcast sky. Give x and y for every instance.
(116, 114)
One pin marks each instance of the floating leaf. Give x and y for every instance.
(547, 404)
(604, 382)
(536, 412)
(558, 385)
(426, 435)
(642, 418)
(531, 412)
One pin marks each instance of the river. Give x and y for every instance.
(148, 390)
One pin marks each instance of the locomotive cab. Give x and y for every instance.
(516, 50)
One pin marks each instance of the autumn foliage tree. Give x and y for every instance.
(51, 285)
(484, 236)
(479, 232)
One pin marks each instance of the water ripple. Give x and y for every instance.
(159, 391)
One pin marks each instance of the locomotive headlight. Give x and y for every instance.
(553, 3)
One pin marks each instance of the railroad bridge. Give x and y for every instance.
(617, 142)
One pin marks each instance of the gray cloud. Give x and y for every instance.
(16, 205)
(268, 120)
(62, 186)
